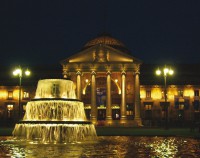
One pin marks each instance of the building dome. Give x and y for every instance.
(108, 40)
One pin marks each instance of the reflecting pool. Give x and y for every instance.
(104, 147)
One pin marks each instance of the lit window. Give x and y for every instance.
(148, 107)
(128, 113)
(26, 95)
(148, 94)
(10, 107)
(10, 94)
(180, 93)
(129, 109)
(181, 106)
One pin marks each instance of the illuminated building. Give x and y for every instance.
(9, 102)
(104, 73)
(117, 88)
(107, 79)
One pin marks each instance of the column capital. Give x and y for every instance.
(137, 72)
(137, 69)
(78, 73)
(65, 71)
(93, 73)
(123, 72)
(108, 73)
(66, 74)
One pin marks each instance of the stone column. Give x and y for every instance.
(137, 118)
(108, 99)
(93, 98)
(123, 99)
(78, 85)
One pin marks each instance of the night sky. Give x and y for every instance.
(36, 32)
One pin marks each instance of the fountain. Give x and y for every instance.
(55, 115)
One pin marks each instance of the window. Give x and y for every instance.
(148, 94)
(181, 106)
(26, 95)
(129, 113)
(148, 107)
(10, 107)
(10, 94)
(180, 93)
(129, 109)
(196, 93)
(9, 110)
(148, 111)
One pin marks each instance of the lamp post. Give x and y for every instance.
(19, 72)
(165, 72)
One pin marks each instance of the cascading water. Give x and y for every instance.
(55, 115)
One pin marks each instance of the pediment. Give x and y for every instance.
(100, 53)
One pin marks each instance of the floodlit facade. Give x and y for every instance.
(107, 80)
(110, 82)
(9, 103)
(183, 104)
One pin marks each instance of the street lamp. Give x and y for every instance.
(19, 72)
(165, 72)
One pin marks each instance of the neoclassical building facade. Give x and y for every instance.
(107, 80)
(115, 87)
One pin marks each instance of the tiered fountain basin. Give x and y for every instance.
(49, 118)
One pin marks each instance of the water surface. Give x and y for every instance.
(105, 147)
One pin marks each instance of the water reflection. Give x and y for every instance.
(105, 147)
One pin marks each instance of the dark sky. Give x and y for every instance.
(36, 32)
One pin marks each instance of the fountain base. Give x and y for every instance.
(51, 132)
(55, 115)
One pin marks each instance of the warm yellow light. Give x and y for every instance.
(188, 92)
(171, 72)
(142, 93)
(118, 87)
(156, 93)
(86, 80)
(3, 94)
(158, 72)
(17, 72)
(16, 94)
(27, 72)
(166, 70)
(10, 107)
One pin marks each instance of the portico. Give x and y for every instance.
(107, 78)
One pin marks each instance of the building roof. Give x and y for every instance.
(108, 40)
